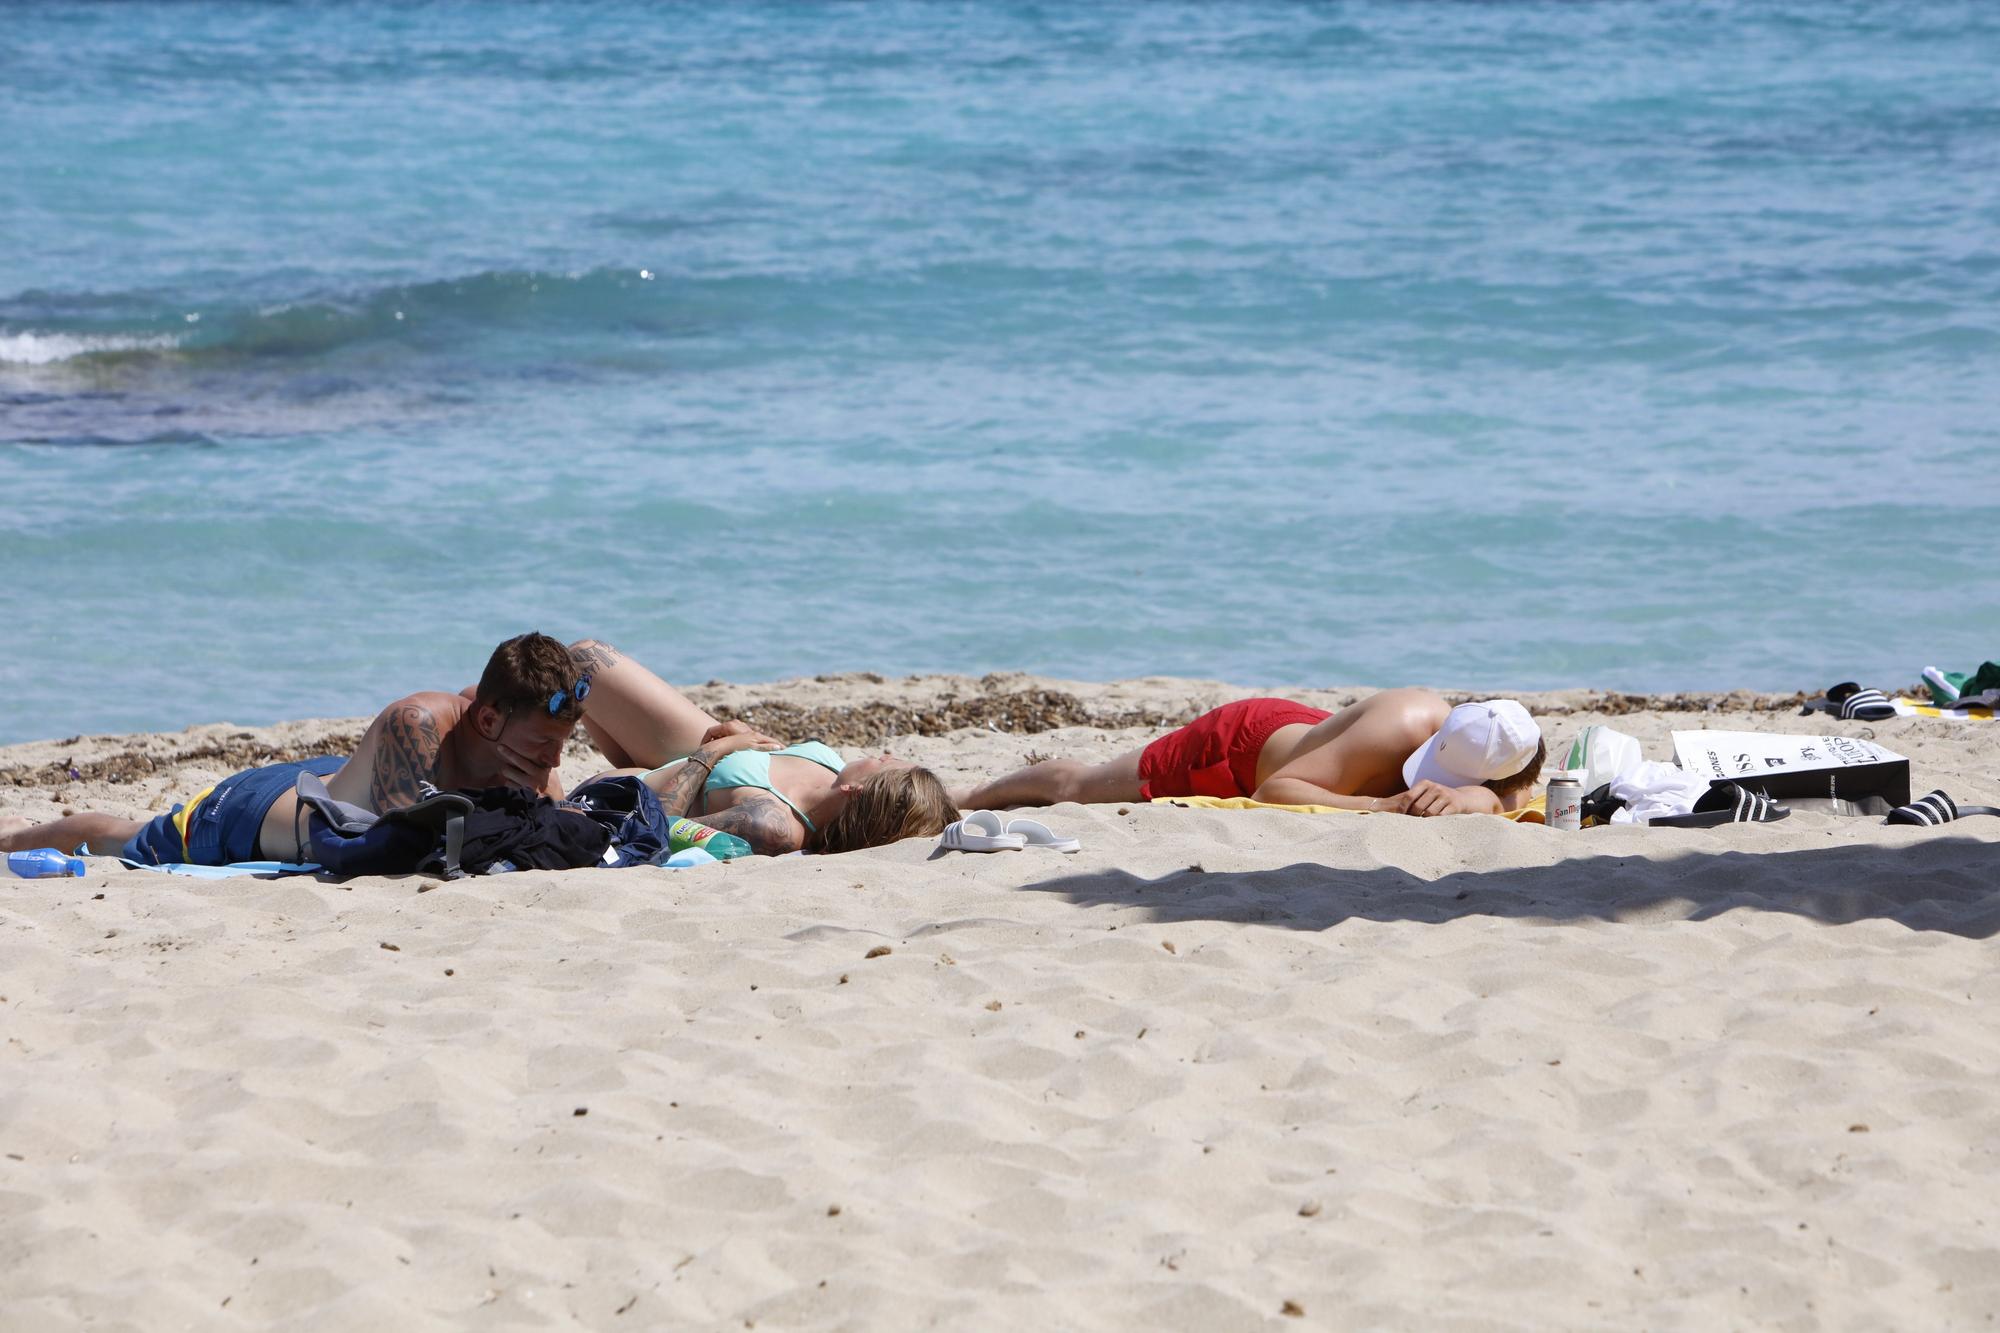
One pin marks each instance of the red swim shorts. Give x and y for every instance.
(1216, 754)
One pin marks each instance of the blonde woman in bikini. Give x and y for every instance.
(779, 798)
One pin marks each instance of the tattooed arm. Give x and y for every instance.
(760, 819)
(678, 788)
(406, 755)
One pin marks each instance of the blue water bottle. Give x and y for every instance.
(42, 863)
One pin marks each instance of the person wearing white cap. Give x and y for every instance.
(1402, 751)
(1482, 747)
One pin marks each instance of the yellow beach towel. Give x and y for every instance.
(1907, 707)
(1531, 813)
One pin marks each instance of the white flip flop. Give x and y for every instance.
(1034, 833)
(980, 831)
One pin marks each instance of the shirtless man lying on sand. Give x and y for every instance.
(1402, 751)
(509, 732)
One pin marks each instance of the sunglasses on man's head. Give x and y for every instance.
(579, 692)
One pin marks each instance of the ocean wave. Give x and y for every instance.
(417, 312)
(47, 349)
(432, 313)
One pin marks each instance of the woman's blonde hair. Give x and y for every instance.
(896, 804)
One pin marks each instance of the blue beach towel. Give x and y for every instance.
(235, 870)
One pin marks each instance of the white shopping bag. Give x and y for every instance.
(1779, 765)
(1603, 755)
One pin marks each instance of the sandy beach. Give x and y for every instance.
(1220, 1070)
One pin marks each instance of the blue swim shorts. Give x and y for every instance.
(221, 825)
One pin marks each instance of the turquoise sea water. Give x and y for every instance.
(1650, 346)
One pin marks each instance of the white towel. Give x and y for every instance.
(1651, 789)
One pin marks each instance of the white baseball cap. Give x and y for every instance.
(1477, 743)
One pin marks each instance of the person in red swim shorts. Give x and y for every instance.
(1403, 751)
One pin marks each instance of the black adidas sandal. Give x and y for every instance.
(1726, 803)
(1936, 808)
(1849, 702)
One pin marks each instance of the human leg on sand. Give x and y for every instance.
(1053, 781)
(95, 834)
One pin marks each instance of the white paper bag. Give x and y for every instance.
(1779, 765)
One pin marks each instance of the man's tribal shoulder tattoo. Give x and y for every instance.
(406, 757)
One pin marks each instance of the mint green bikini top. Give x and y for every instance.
(752, 768)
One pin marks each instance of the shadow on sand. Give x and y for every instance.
(1948, 884)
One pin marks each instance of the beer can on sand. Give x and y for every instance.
(1564, 807)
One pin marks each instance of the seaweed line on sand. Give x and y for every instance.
(234, 754)
(866, 724)
(1018, 712)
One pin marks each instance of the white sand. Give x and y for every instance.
(1396, 1072)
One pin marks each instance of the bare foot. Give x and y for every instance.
(11, 825)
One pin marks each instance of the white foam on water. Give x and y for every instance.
(46, 349)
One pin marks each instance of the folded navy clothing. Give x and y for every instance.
(508, 824)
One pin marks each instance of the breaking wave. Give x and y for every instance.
(436, 312)
(47, 349)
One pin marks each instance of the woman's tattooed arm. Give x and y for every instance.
(766, 823)
(678, 787)
(761, 820)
